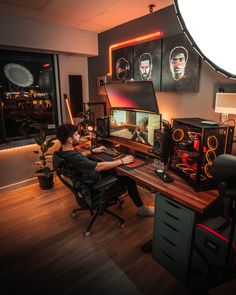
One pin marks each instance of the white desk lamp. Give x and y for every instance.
(225, 104)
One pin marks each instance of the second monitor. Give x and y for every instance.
(134, 125)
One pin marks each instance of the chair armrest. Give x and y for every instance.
(105, 183)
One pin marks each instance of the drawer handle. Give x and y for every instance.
(170, 242)
(176, 218)
(173, 205)
(170, 226)
(167, 255)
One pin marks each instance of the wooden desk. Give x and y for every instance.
(178, 190)
(176, 205)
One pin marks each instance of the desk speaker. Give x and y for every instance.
(102, 127)
(161, 143)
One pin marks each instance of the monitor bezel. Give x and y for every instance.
(130, 82)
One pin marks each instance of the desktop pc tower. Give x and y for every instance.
(194, 146)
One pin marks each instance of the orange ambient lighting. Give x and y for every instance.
(17, 148)
(133, 41)
(69, 111)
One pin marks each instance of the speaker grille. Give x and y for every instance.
(157, 146)
(102, 127)
(161, 143)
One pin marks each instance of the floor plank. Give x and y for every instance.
(43, 251)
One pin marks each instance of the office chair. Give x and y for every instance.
(92, 197)
(223, 171)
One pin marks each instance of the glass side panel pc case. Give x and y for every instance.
(194, 146)
(134, 125)
(139, 95)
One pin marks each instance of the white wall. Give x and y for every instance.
(18, 165)
(20, 32)
(72, 65)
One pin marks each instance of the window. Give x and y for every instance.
(27, 95)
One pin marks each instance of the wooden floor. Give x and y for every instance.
(43, 251)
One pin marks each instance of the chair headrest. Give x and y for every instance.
(223, 168)
(62, 166)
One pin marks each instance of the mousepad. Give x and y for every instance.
(135, 164)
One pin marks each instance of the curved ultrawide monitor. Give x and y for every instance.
(139, 95)
(134, 125)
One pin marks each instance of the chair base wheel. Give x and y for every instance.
(86, 233)
(120, 204)
(121, 224)
(73, 214)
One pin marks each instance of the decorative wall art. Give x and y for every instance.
(180, 65)
(171, 63)
(147, 62)
(122, 63)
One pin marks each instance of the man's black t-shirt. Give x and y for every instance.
(84, 167)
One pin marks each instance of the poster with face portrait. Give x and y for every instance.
(180, 65)
(122, 63)
(147, 62)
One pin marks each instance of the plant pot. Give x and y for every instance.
(46, 182)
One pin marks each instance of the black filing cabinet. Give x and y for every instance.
(173, 227)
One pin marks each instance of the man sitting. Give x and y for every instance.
(89, 170)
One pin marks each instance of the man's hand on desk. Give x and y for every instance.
(127, 159)
(98, 150)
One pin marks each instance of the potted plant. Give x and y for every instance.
(44, 173)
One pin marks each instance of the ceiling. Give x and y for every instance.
(91, 15)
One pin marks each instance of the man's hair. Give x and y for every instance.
(177, 50)
(65, 131)
(145, 56)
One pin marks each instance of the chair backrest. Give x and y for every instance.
(68, 177)
(86, 194)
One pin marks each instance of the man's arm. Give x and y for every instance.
(101, 166)
(97, 150)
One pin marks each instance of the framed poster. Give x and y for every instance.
(122, 63)
(180, 65)
(147, 62)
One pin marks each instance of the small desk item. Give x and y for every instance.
(136, 163)
(85, 146)
(112, 152)
(163, 176)
(84, 139)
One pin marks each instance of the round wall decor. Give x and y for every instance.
(18, 75)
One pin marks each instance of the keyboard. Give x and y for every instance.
(112, 153)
